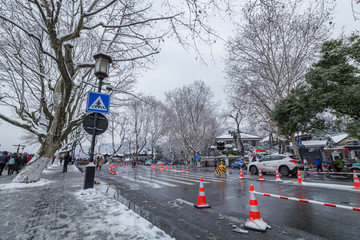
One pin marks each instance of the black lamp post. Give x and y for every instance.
(102, 66)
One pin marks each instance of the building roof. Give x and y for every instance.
(243, 136)
(339, 137)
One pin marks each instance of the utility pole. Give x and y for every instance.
(18, 147)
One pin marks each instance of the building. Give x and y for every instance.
(249, 140)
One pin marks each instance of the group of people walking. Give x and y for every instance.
(13, 162)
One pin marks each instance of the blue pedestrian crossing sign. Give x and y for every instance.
(98, 102)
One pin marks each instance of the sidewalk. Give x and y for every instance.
(56, 207)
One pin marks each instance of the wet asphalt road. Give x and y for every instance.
(166, 199)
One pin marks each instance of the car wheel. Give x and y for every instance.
(284, 171)
(253, 170)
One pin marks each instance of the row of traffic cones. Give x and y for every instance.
(112, 169)
(161, 168)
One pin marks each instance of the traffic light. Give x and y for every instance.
(220, 145)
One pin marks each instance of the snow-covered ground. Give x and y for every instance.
(56, 207)
(120, 221)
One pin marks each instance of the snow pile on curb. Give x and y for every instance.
(115, 218)
(10, 186)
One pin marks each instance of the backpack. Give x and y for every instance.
(11, 161)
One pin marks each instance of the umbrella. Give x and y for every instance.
(255, 155)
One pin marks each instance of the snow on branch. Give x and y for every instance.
(131, 24)
(88, 14)
(30, 128)
(135, 58)
(30, 34)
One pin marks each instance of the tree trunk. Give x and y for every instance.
(32, 171)
(295, 147)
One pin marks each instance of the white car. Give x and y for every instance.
(286, 164)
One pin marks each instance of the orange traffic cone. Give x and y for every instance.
(356, 180)
(112, 169)
(171, 168)
(255, 221)
(299, 177)
(241, 173)
(202, 199)
(260, 176)
(183, 169)
(187, 169)
(175, 168)
(278, 179)
(312, 166)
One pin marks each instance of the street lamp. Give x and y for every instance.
(102, 66)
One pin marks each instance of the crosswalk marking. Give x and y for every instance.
(167, 184)
(153, 185)
(174, 180)
(188, 179)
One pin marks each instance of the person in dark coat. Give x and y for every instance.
(3, 160)
(18, 160)
(11, 164)
(318, 164)
(67, 159)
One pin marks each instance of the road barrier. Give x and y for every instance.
(299, 177)
(308, 201)
(261, 178)
(338, 173)
(278, 179)
(254, 222)
(241, 173)
(201, 199)
(356, 180)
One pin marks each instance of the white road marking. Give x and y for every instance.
(153, 185)
(187, 179)
(160, 182)
(173, 180)
(184, 201)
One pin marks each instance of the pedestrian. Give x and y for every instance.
(318, 164)
(306, 165)
(3, 160)
(28, 158)
(62, 158)
(96, 162)
(67, 159)
(17, 165)
(101, 162)
(215, 163)
(11, 164)
(24, 160)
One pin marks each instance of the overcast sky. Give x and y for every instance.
(177, 67)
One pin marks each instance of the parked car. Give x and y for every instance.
(286, 164)
(160, 162)
(148, 163)
(348, 162)
(239, 163)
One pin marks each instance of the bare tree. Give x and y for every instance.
(118, 130)
(269, 54)
(192, 116)
(46, 57)
(139, 126)
(237, 114)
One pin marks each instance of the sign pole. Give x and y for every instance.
(90, 168)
